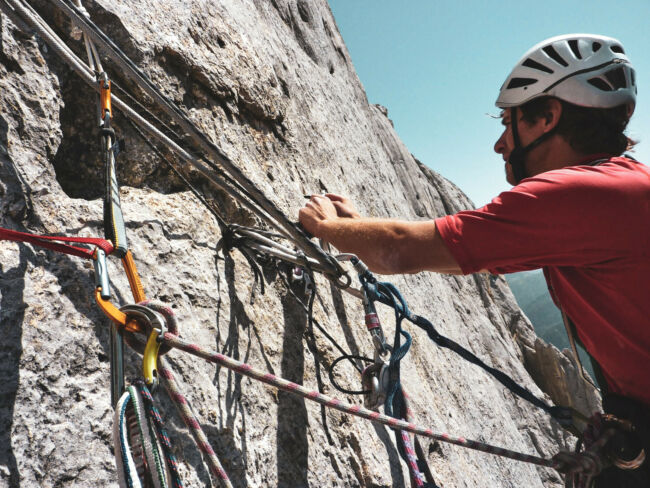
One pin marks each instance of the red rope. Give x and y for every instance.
(357, 410)
(50, 242)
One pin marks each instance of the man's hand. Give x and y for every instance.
(386, 246)
(344, 207)
(318, 210)
(321, 209)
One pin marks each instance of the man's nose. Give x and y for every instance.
(500, 145)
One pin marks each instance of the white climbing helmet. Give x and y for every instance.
(584, 69)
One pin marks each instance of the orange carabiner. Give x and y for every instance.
(103, 295)
(105, 97)
(134, 279)
(115, 314)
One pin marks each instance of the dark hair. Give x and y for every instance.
(588, 130)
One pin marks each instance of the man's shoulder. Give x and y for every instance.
(607, 173)
(608, 187)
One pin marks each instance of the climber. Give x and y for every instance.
(578, 210)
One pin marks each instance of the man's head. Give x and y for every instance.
(580, 87)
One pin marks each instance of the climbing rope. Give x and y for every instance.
(144, 318)
(247, 189)
(171, 385)
(562, 463)
(137, 428)
(193, 425)
(169, 339)
(163, 437)
(356, 410)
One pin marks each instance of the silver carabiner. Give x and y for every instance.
(375, 379)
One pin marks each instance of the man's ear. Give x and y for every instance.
(552, 114)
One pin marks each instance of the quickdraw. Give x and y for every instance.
(375, 377)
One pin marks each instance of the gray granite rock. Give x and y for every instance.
(270, 82)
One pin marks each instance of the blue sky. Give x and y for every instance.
(437, 66)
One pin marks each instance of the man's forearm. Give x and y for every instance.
(391, 246)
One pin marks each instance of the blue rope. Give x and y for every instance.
(388, 294)
(395, 403)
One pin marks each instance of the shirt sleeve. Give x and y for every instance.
(553, 219)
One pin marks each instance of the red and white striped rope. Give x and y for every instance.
(189, 419)
(357, 410)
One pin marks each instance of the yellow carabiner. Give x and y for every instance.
(150, 359)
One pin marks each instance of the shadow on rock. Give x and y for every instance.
(292, 446)
(12, 287)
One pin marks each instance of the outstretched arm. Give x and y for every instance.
(386, 246)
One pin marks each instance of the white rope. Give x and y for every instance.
(155, 460)
(127, 475)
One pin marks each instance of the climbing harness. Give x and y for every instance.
(142, 447)
(607, 442)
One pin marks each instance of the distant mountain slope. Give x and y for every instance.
(531, 292)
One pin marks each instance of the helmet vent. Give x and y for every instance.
(530, 63)
(553, 54)
(519, 82)
(587, 70)
(600, 84)
(573, 44)
(617, 78)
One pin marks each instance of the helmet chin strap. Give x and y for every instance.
(517, 159)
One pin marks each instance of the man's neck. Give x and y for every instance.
(556, 154)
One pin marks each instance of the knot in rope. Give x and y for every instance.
(600, 441)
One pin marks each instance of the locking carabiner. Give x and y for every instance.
(156, 321)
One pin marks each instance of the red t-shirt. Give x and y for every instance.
(589, 228)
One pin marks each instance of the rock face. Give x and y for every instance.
(272, 84)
